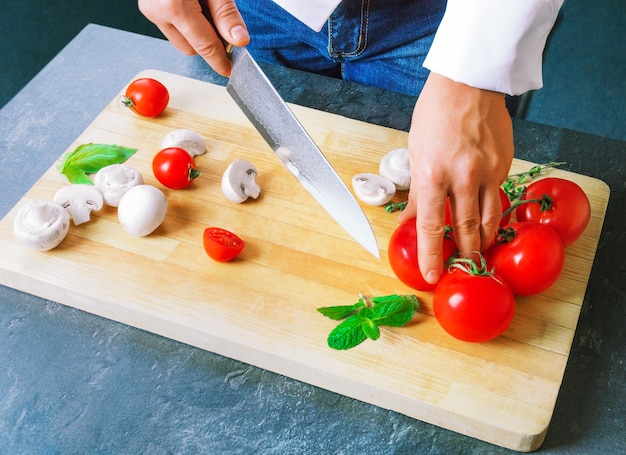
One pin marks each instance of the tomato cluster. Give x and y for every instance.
(474, 302)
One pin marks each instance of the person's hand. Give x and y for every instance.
(461, 144)
(187, 25)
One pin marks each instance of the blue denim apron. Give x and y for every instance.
(382, 43)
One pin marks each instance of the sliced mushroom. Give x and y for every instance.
(238, 181)
(79, 200)
(373, 189)
(115, 180)
(41, 225)
(188, 140)
(395, 166)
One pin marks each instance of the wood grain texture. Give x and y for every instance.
(261, 308)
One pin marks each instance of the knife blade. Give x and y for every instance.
(261, 103)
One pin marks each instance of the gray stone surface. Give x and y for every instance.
(72, 382)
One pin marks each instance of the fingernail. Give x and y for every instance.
(239, 34)
(432, 276)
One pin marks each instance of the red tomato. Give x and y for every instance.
(473, 307)
(403, 255)
(506, 204)
(147, 97)
(221, 245)
(174, 168)
(531, 261)
(569, 212)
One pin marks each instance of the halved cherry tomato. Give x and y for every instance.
(403, 255)
(568, 213)
(147, 97)
(221, 245)
(174, 168)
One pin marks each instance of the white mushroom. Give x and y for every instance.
(142, 210)
(373, 189)
(185, 139)
(238, 182)
(79, 200)
(395, 166)
(115, 180)
(41, 225)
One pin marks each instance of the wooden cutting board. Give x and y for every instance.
(261, 308)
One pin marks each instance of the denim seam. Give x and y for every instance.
(362, 38)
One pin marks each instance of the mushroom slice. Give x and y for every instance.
(395, 166)
(188, 140)
(115, 180)
(373, 189)
(41, 225)
(238, 181)
(79, 200)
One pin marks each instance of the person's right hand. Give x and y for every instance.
(187, 24)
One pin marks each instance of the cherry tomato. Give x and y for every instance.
(403, 255)
(221, 245)
(528, 256)
(473, 307)
(569, 211)
(174, 168)
(506, 205)
(147, 97)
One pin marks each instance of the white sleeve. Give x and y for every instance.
(313, 13)
(493, 44)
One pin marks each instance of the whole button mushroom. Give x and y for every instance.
(395, 166)
(115, 180)
(142, 210)
(238, 181)
(79, 200)
(41, 225)
(373, 189)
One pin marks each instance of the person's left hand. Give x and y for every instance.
(461, 145)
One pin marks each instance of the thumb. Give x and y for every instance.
(228, 22)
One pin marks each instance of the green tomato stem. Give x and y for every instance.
(193, 173)
(126, 101)
(545, 202)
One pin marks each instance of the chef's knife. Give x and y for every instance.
(259, 100)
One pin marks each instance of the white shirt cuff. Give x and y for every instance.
(313, 13)
(493, 44)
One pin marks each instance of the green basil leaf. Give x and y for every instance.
(90, 158)
(348, 334)
(76, 175)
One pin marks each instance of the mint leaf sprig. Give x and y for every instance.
(363, 319)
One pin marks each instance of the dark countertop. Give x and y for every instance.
(73, 382)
